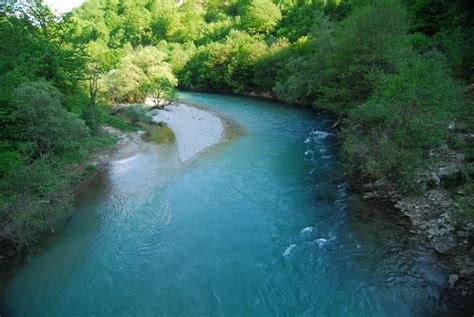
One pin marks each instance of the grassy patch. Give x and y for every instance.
(159, 134)
(117, 122)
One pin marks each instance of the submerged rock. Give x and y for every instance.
(453, 278)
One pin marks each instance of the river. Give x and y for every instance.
(259, 225)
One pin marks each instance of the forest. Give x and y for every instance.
(396, 75)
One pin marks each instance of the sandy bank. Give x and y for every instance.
(128, 144)
(195, 129)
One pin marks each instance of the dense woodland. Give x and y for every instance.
(396, 75)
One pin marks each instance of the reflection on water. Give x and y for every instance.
(262, 224)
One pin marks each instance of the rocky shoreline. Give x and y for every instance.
(434, 218)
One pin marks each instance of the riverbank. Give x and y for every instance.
(74, 173)
(437, 219)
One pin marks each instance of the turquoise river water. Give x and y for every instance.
(259, 225)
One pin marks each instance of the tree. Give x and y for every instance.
(371, 42)
(260, 16)
(244, 52)
(301, 19)
(304, 71)
(408, 115)
(45, 121)
(140, 73)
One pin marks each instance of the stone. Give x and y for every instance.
(369, 196)
(443, 245)
(462, 234)
(452, 279)
(381, 183)
(434, 180)
(368, 186)
(467, 273)
(448, 170)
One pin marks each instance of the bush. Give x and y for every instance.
(115, 121)
(138, 113)
(33, 197)
(47, 124)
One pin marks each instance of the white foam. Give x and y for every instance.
(320, 134)
(307, 229)
(288, 249)
(343, 186)
(322, 241)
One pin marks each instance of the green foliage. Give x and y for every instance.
(137, 113)
(46, 123)
(33, 197)
(372, 42)
(115, 121)
(229, 64)
(300, 20)
(408, 114)
(42, 131)
(268, 66)
(244, 53)
(206, 68)
(218, 10)
(466, 201)
(179, 55)
(142, 72)
(303, 76)
(260, 16)
(160, 134)
(34, 44)
(446, 26)
(469, 154)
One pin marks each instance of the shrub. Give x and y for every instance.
(47, 124)
(138, 113)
